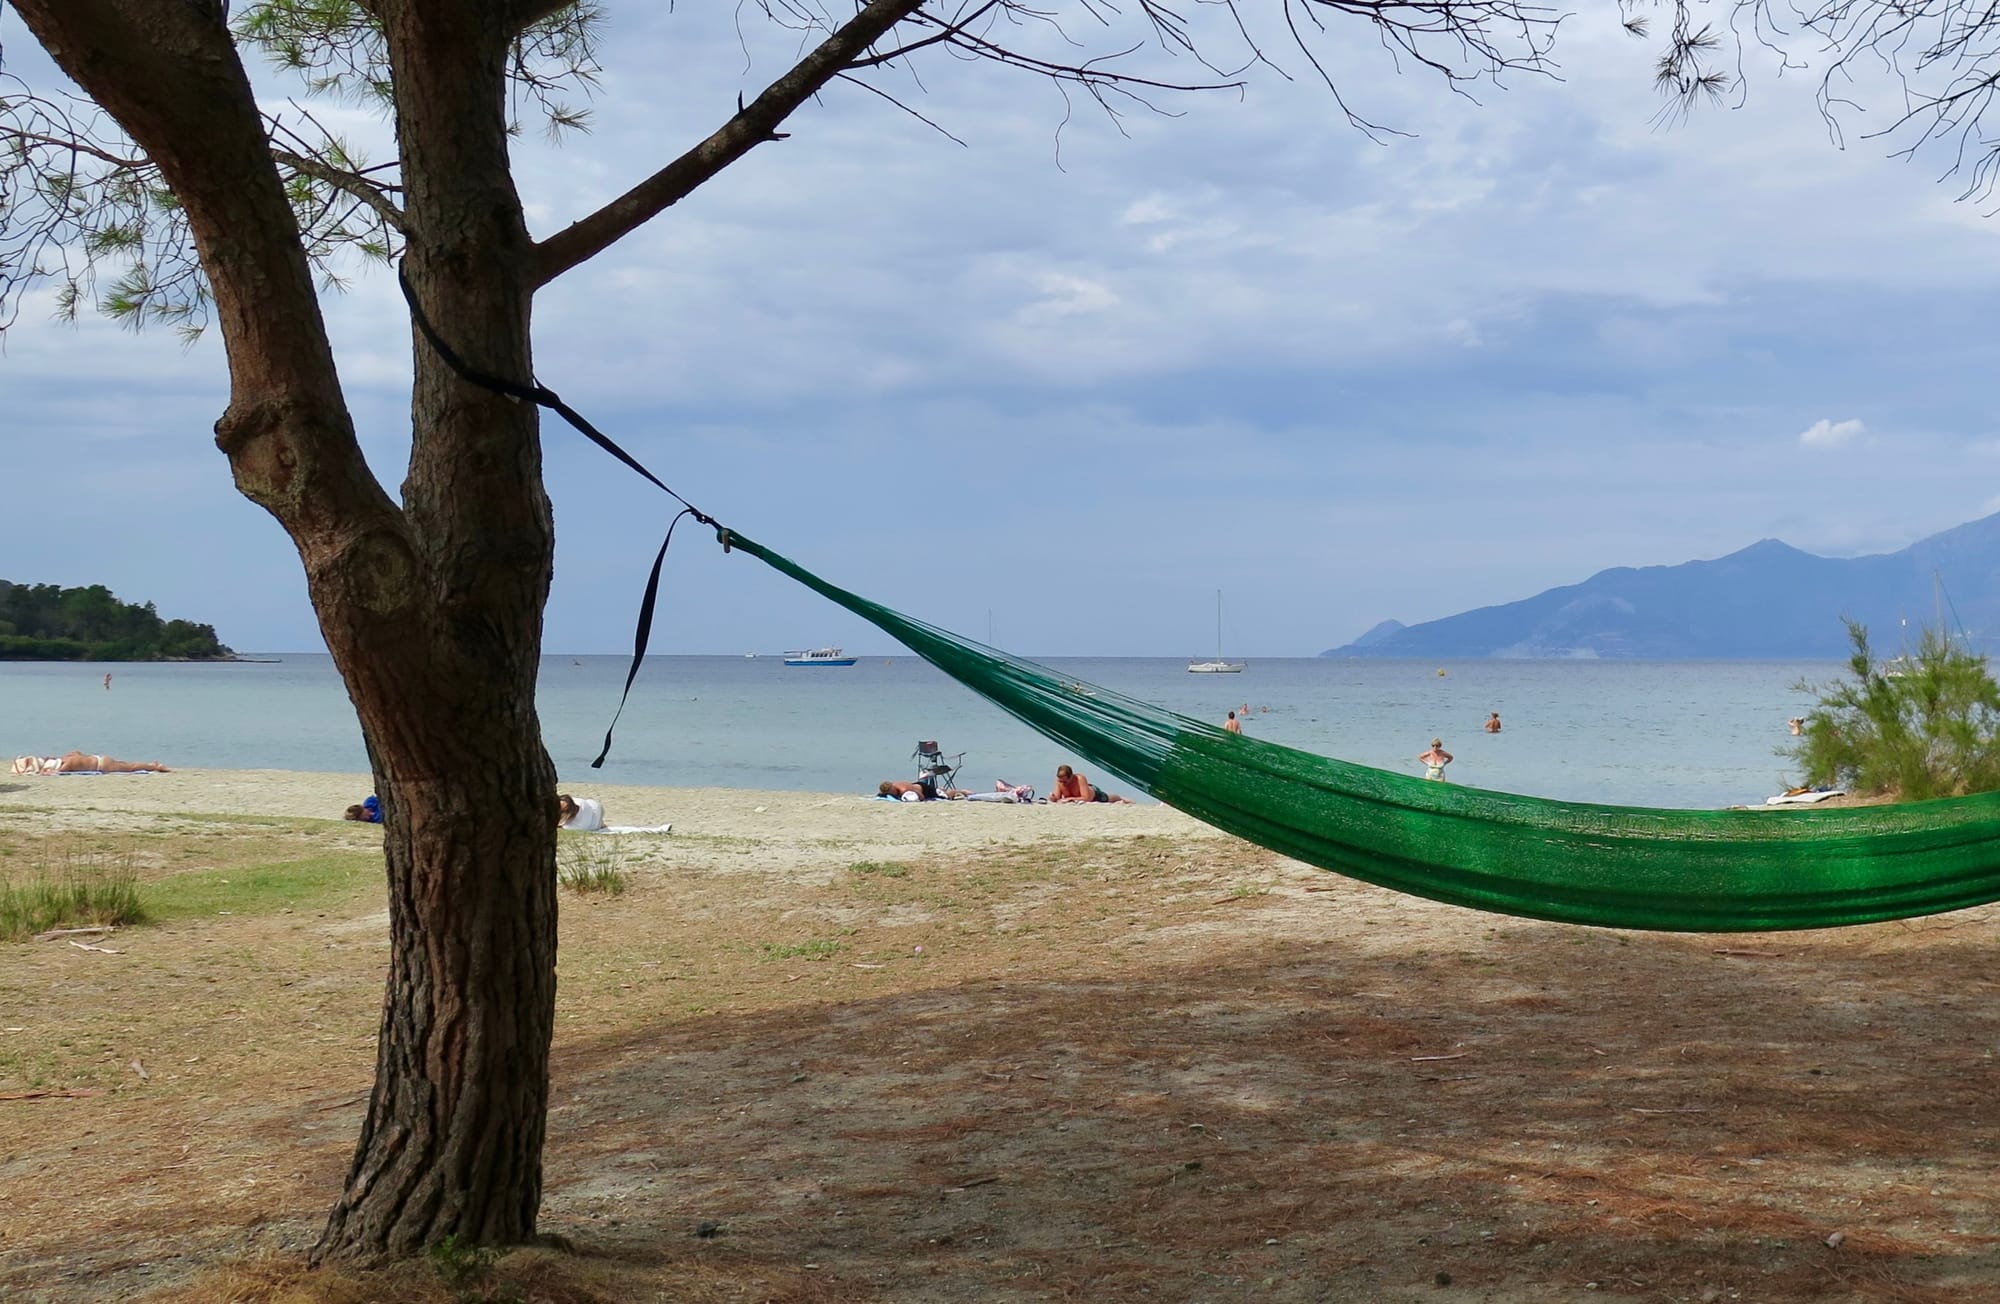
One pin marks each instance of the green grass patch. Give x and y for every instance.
(818, 948)
(291, 823)
(70, 887)
(591, 862)
(304, 884)
(881, 868)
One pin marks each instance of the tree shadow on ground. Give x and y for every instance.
(1451, 1108)
(1561, 1110)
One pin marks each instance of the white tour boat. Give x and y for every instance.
(819, 656)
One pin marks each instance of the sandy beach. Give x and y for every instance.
(778, 830)
(951, 1053)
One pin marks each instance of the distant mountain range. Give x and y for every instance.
(1769, 600)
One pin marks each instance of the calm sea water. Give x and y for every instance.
(1692, 734)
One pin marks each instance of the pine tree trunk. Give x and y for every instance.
(453, 1141)
(432, 609)
(452, 1145)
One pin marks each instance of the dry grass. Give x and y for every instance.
(1151, 1068)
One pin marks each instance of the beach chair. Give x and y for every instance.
(934, 769)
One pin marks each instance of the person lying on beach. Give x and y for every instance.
(582, 815)
(367, 811)
(1071, 786)
(924, 789)
(75, 761)
(586, 815)
(84, 763)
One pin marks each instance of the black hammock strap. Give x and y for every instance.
(543, 396)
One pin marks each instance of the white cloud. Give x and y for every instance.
(1537, 299)
(1064, 295)
(1830, 434)
(1147, 211)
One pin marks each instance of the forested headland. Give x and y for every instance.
(45, 622)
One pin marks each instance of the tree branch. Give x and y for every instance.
(170, 77)
(1461, 40)
(355, 187)
(751, 126)
(70, 143)
(523, 14)
(1937, 62)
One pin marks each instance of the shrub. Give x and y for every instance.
(1922, 726)
(459, 1264)
(81, 889)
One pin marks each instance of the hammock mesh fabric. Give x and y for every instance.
(1622, 867)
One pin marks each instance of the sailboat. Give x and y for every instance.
(1217, 666)
(1899, 665)
(1903, 663)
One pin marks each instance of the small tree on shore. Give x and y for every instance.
(1925, 725)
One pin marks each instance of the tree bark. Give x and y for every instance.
(432, 612)
(453, 1141)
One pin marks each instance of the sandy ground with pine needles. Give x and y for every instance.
(826, 1049)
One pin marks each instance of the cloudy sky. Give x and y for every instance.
(1070, 378)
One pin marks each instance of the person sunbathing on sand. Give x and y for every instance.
(1071, 786)
(84, 763)
(73, 761)
(924, 789)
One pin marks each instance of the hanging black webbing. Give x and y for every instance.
(543, 396)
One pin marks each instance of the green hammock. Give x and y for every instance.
(1622, 867)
